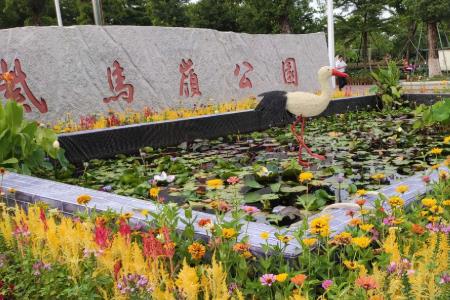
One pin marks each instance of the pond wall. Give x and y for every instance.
(84, 70)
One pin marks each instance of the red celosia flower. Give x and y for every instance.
(117, 267)
(43, 218)
(156, 247)
(124, 228)
(101, 235)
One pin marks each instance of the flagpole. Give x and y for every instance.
(330, 23)
(58, 13)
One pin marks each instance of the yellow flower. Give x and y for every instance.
(436, 151)
(154, 192)
(362, 241)
(447, 140)
(446, 202)
(144, 212)
(305, 176)
(343, 238)
(402, 189)
(228, 233)
(126, 215)
(11, 190)
(321, 226)
(366, 227)
(378, 176)
(84, 199)
(364, 211)
(424, 213)
(443, 175)
(396, 201)
(361, 192)
(264, 235)
(351, 265)
(437, 209)
(196, 250)
(428, 202)
(436, 166)
(309, 242)
(284, 238)
(281, 277)
(215, 183)
(433, 219)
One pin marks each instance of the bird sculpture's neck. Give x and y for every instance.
(326, 92)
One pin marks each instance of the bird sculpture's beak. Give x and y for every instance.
(335, 72)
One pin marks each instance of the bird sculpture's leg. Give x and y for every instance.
(298, 136)
(320, 157)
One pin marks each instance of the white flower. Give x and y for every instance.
(56, 144)
(399, 129)
(164, 177)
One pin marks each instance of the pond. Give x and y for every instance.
(259, 171)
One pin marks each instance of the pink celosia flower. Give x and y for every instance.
(267, 279)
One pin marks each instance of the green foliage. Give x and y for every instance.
(220, 15)
(430, 11)
(436, 114)
(388, 85)
(23, 144)
(168, 12)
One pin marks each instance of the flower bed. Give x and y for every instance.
(386, 251)
(366, 150)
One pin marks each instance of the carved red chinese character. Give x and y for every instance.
(18, 77)
(118, 86)
(187, 71)
(290, 71)
(244, 82)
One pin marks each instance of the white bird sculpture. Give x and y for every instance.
(283, 105)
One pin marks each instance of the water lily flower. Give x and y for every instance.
(56, 144)
(264, 172)
(164, 177)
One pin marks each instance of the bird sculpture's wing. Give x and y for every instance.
(273, 106)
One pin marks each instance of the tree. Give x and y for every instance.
(431, 12)
(15, 13)
(168, 12)
(276, 16)
(358, 21)
(214, 14)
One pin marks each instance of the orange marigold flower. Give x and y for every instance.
(367, 282)
(299, 279)
(204, 222)
(417, 229)
(241, 247)
(361, 202)
(83, 199)
(196, 250)
(355, 222)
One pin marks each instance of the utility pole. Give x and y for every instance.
(58, 13)
(97, 9)
(330, 23)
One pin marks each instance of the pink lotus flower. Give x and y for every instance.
(267, 279)
(250, 209)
